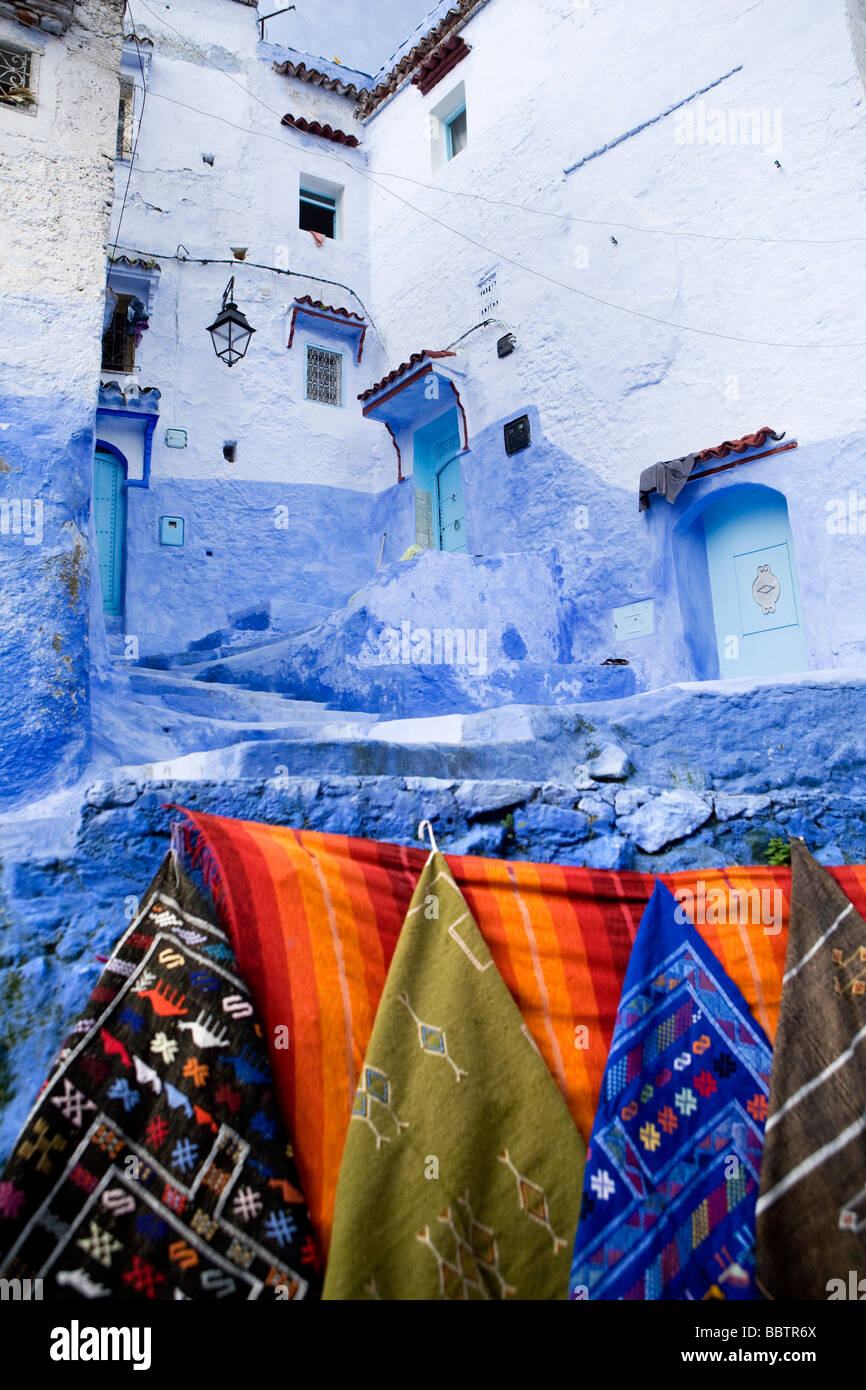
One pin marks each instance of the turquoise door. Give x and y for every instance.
(449, 493)
(439, 517)
(753, 577)
(109, 516)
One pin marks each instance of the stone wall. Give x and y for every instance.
(657, 782)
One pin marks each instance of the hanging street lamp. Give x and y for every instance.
(230, 330)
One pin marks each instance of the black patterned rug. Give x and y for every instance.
(155, 1163)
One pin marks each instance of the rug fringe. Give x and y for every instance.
(190, 844)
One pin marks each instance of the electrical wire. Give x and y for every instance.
(520, 265)
(259, 265)
(134, 150)
(481, 197)
(506, 202)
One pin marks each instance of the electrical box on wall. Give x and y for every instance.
(175, 439)
(634, 619)
(171, 530)
(517, 435)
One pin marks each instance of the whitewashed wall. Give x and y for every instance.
(316, 461)
(548, 83)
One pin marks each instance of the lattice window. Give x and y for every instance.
(324, 376)
(15, 73)
(124, 121)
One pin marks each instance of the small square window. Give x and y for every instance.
(324, 376)
(456, 133)
(317, 212)
(16, 71)
(124, 120)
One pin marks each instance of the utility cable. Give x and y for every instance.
(520, 265)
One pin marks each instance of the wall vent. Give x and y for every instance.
(488, 295)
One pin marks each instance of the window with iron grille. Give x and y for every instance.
(118, 341)
(324, 376)
(15, 73)
(124, 121)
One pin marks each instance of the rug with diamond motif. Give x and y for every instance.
(672, 1168)
(155, 1163)
(461, 1171)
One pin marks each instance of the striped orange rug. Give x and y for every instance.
(315, 920)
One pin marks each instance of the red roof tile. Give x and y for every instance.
(315, 128)
(402, 369)
(739, 446)
(440, 62)
(327, 308)
(318, 79)
(450, 22)
(305, 304)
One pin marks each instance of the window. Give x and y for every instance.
(126, 320)
(449, 129)
(317, 213)
(124, 120)
(15, 75)
(456, 135)
(324, 376)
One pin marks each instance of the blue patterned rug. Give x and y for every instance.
(671, 1178)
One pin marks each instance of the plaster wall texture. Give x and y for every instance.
(609, 391)
(529, 119)
(293, 514)
(57, 157)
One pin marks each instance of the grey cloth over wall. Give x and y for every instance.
(668, 479)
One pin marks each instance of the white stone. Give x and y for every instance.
(612, 763)
(666, 818)
(629, 799)
(730, 805)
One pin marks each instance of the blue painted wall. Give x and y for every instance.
(46, 456)
(305, 549)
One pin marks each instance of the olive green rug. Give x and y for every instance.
(462, 1172)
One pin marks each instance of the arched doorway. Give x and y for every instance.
(109, 519)
(737, 579)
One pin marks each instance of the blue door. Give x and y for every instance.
(109, 516)
(449, 495)
(753, 577)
